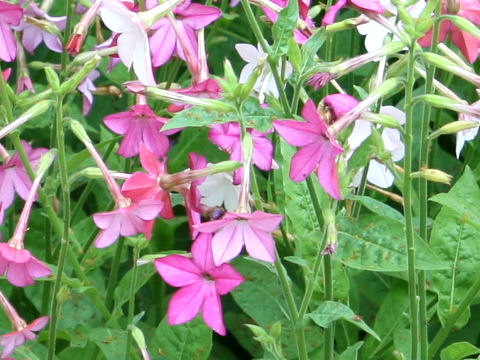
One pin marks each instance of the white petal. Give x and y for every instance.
(361, 131)
(394, 112)
(248, 53)
(379, 175)
(393, 143)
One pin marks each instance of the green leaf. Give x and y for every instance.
(376, 243)
(351, 353)
(456, 241)
(283, 30)
(198, 116)
(378, 207)
(330, 311)
(192, 340)
(458, 351)
(311, 47)
(111, 342)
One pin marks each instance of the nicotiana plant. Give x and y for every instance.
(269, 179)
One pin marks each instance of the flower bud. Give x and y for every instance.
(137, 334)
(34, 111)
(382, 119)
(79, 131)
(453, 128)
(72, 83)
(53, 79)
(434, 175)
(445, 64)
(45, 162)
(450, 104)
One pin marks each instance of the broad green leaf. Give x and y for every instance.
(330, 311)
(464, 200)
(458, 351)
(378, 207)
(402, 343)
(456, 242)
(192, 340)
(311, 47)
(351, 353)
(283, 30)
(376, 243)
(111, 342)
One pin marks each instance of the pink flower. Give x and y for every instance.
(139, 125)
(171, 39)
(14, 176)
(141, 186)
(319, 149)
(10, 15)
(125, 221)
(339, 104)
(202, 283)
(20, 266)
(236, 229)
(362, 5)
(227, 137)
(208, 89)
(33, 35)
(19, 337)
(468, 44)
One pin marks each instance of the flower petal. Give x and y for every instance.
(178, 271)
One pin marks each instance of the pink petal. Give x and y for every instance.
(147, 209)
(104, 220)
(8, 50)
(212, 226)
(10, 14)
(119, 123)
(212, 310)
(467, 43)
(156, 141)
(296, 133)
(39, 323)
(339, 104)
(37, 269)
(259, 244)
(149, 162)
(11, 254)
(262, 151)
(107, 236)
(131, 141)
(198, 16)
(328, 174)
(186, 303)
(331, 15)
(162, 43)
(264, 221)
(227, 242)
(202, 252)
(178, 271)
(226, 278)
(306, 160)
(370, 5)
(140, 186)
(18, 275)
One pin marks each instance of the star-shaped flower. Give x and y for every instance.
(201, 282)
(20, 336)
(319, 149)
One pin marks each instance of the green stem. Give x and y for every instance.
(112, 278)
(329, 331)
(423, 193)
(407, 196)
(55, 306)
(452, 319)
(66, 36)
(131, 302)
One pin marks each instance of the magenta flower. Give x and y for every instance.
(362, 5)
(202, 283)
(126, 221)
(339, 104)
(19, 337)
(236, 229)
(20, 266)
(208, 89)
(171, 39)
(14, 176)
(227, 137)
(10, 15)
(139, 125)
(319, 149)
(33, 35)
(468, 44)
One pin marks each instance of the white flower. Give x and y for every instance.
(133, 47)
(376, 33)
(218, 189)
(255, 56)
(469, 134)
(379, 174)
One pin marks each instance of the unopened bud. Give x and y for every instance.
(450, 104)
(445, 64)
(382, 119)
(247, 144)
(45, 162)
(72, 83)
(80, 132)
(53, 79)
(137, 334)
(454, 127)
(434, 175)
(34, 111)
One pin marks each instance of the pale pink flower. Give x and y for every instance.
(201, 282)
(139, 125)
(86, 87)
(33, 35)
(10, 15)
(20, 266)
(319, 149)
(236, 229)
(14, 176)
(22, 332)
(126, 221)
(362, 5)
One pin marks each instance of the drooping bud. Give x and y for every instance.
(434, 175)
